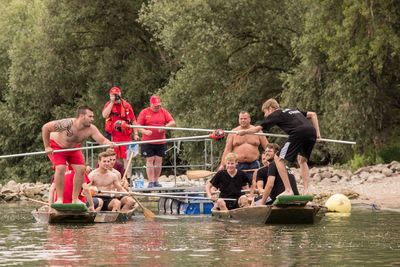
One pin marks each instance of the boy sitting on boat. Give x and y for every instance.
(230, 182)
(106, 180)
(269, 179)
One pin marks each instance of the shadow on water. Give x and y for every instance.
(364, 238)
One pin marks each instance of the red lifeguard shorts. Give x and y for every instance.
(61, 158)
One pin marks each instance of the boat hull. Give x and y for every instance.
(272, 214)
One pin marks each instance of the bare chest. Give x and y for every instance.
(246, 140)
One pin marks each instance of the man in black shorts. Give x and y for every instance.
(302, 137)
(230, 182)
(270, 181)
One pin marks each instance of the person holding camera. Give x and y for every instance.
(118, 109)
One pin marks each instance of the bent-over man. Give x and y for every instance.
(70, 133)
(302, 137)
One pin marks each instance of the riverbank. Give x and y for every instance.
(378, 184)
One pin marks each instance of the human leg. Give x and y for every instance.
(150, 168)
(280, 166)
(78, 181)
(220, 204)
(59, 182)
(157, 168)
(127, 203)
(304, 172)
(115, 205)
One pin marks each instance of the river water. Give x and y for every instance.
(365, 238)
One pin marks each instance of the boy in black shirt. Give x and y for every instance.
(230, 182)
(270, 179)
(302, 137)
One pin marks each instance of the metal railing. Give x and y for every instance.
(208, 157)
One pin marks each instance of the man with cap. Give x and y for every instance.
(155, 115)
(118, 109)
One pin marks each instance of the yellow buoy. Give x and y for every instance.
(338, 203)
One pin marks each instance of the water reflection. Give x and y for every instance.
(200, 241)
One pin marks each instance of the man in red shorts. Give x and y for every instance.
(118, 109)
(70, 133)
(155, 115)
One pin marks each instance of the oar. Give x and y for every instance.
(233, 132)
(146, 212)
(103, 146)
(160, 195)
(127, 166)
(198, 174)
(37, 201)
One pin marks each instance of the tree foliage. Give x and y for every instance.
(208, 59)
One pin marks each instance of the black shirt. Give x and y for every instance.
(229, 186)
(291, 121)
(271, 170)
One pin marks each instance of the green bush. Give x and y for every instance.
(390, 153)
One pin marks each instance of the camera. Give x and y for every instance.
(117, 97)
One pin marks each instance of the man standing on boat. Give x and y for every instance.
(245, 147)
(116, 110)
(268, 180)
(70, 133)
(155, 115)
(230, 182)
(302, 137)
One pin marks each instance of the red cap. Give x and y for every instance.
(115, 90)
(155, 100)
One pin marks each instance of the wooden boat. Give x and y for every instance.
(287, 210)
(46, 214)
(115, 216)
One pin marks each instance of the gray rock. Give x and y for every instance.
(362, 169)
(335, 178)
(316, 178)
(387, 172)
(325, 181)
(364, 175)
(326, 175)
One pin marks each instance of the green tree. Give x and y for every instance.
(348, 71)
(228, 56)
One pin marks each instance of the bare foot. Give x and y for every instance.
(286, 193)
(59, 201)
(78, 202)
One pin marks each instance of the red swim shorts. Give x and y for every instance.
(61, 158)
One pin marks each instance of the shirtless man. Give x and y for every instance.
(245, 147)
(70, 133)
(106, 180)
(127, 202)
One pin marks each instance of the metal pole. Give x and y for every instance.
(233, 132)
(104, 146)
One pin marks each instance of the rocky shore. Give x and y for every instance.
(378, 184)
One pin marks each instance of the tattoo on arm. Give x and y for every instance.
(64, 125)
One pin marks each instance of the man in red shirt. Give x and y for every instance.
(118, 109)
(155, 115)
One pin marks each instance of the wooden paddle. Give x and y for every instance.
(37, 201)
(198, 174)
(127, 167)
(148, 214)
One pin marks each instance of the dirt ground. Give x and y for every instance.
(385, 193)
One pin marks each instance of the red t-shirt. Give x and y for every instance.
(160, 118)
(69, 186)
(120, 111)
